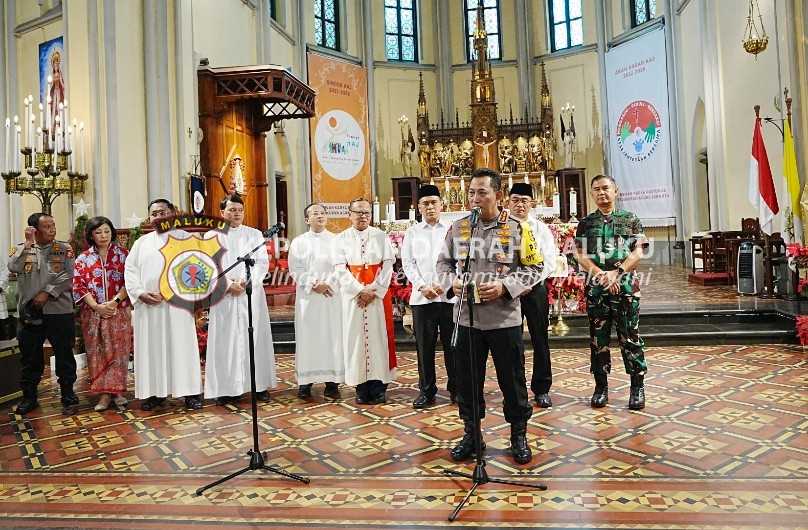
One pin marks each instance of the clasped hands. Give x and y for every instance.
(610, 280)
(488, 290)
(237, 287)
(431, 292)
(107, 309)
(366, 297)
(321, 287)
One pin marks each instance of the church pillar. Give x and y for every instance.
(112, 172)
(300, 180)
(265, 57)
(11, 231)
(444, 59)
(367, 54)
(152, 109)
(601, 24)
(674, 100)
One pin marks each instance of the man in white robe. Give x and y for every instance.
(227, 362)
(166, 348)
(364, 261)
(318, 307)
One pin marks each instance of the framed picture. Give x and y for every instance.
(52, 63)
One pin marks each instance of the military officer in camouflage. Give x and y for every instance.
(44, 270)
(610, 244)
(505, 263)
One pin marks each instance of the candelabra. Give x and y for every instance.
(44, 167)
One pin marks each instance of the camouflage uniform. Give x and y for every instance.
(607, 240)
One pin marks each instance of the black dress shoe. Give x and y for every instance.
(600, 397)
(331, 390)
(304, 391)
(263, 395)
(70, 399)
(26, 405)
(193, 403)
(520, 449)
(152, 402)
(423, 401)
(452, 398)
(464, 451)
(379, 400)
(544, 401)
(363, 400)
(222, 400)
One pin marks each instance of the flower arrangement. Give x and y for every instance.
(798, 259)
(400, 290)
(802, 329)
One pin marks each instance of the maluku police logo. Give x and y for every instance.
(192, 271)
(638, 131)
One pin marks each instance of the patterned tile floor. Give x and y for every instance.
(722, 443)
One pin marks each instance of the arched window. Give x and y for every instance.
(642, 11)
(566, 24)
(326, 23)
(492, 25)
(400, 30)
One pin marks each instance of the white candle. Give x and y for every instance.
(462, 187)
(8, 142)
(81, 148)
(76, 129)
(510, 183)
(49, 118)
(41, 123)
(376, 216)
(542, 180)
(17, 153)
(412, 213)
(69, 142)
(556, 204)
(573, 203)
(57, 130)
(391, 210)
(446, 184)
(432, 181)
(25, 117)
(527, 180)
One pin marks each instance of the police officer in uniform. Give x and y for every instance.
(609, 245)
(44, 270)
(504, 264)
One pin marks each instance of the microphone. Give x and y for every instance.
(475, 215)
(274, 229)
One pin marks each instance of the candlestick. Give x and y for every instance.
(556, 204)
(31, 129)
(81, 147)
(49, 118)
(573, 203)
(376, 216)
(391, 210)
(8, 140)
(25, 117)
(17, 153)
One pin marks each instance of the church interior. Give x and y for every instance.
(289, 102)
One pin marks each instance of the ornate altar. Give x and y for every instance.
(522, 148)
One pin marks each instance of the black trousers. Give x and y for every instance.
(427, 320)
(60, 330)
(372, 388)
(536, 310)
(508, 353)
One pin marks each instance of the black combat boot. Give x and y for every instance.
(69, 397)
(601, 395)
(636, 400)
(519, 448)
(29, 401)
(465, 450)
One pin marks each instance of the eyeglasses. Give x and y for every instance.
(361, 213)
(520, 201)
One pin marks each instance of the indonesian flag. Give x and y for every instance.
(762, 194)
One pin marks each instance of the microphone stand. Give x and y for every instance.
(257, 458)
(479, 475)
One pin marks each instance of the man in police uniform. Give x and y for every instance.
(44, 270)
(504, 265)
(535, 306)
(610, 244)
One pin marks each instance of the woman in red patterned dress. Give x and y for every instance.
(104, 312)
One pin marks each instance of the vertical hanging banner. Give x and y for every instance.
(340, 155)
(637, 87)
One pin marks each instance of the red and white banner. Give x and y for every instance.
(637, 85)
(762, 194)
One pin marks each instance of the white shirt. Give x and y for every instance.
(419, 253)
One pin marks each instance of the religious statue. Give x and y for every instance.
(436, 160)
(534, 155)
(569, 148)
(466, 157)
(520, 156)
(505, 156)
(423, 159)
(407, 145)
(549, 147)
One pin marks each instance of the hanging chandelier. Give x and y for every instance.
(754, 41)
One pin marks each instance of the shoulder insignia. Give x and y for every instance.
(57, 247)
(12, 252)
(465, 223)
(503, 216)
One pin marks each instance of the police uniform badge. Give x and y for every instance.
(503, 216)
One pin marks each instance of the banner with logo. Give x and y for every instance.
(637, 88)
(340, 157)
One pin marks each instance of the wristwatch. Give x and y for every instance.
(621, 270)
(116, 300)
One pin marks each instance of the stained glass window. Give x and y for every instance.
(642, 11)
(566, 24)
(326, 23)
(492, 28)
(400, 30)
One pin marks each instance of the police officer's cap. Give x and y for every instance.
(31, 314)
